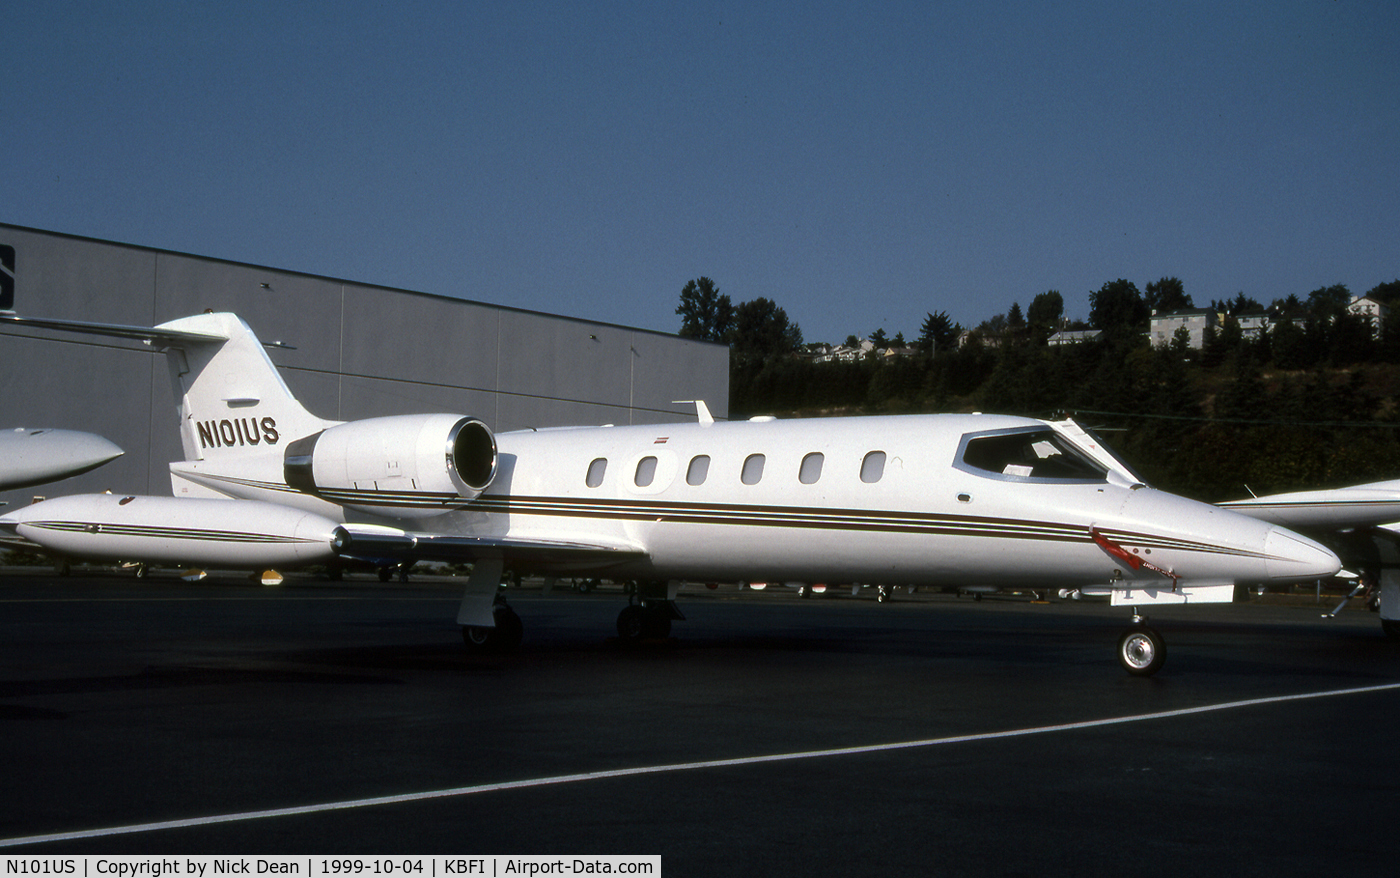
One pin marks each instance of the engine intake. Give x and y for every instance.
(406, 465)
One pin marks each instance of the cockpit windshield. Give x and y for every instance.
(1033, 454)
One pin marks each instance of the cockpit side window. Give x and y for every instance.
(1028, 455)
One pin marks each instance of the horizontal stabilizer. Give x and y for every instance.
(152, 335)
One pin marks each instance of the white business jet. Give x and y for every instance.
(909, 500)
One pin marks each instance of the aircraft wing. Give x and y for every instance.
(374, 541)
(1373, 504)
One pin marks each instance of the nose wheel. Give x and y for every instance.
(1141, 650)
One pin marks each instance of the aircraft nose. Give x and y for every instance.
(1290, 556)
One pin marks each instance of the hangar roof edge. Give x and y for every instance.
(307, 274)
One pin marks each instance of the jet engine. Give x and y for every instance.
(405, 465)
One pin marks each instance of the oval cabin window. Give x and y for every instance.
(872, 468)
(646, 472)
(811, 469)
(596, 470)
(753, 469)
(698, 470)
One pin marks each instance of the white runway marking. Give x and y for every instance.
(675, 767)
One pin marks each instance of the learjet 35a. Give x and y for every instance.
(907, 500)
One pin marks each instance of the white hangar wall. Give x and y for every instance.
(358, 351)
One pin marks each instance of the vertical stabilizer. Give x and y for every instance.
(232, 402)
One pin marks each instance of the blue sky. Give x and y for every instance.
(859, 164)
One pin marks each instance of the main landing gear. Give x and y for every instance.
(647, 621)
(651, 607)
(505, 637)
(1141, 650)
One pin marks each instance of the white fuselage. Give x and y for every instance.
(922, 517)
(892, 500)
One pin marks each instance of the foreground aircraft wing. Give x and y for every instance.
(354, 540)
(1373, 504)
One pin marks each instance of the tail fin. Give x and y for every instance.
(231, 398)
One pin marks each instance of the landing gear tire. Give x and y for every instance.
(631, 623)
(637, 623)
(505, 637)
(1141, 651)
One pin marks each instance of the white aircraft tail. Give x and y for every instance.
(231, 399)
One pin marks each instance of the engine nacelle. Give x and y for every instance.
(405, 465)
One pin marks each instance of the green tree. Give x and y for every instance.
(1351, 339)
(1118, 309)
(1014, 319)
(1167, 294)
(1243, 304)
(706, 313)
(1290, 308)
(1289, 344)
(1325, 304)
(1046, 310)
(938, 335)
(1181, 342)
(1387, 293)
(762, 330)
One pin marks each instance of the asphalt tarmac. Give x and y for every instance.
(769, 735)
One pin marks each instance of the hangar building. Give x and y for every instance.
(353, 351)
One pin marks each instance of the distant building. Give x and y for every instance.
(1195, 320)
(845, 353)
(987, 341)
(1074, 336)
(893, 353)
(1253, 324)
(1376, 312)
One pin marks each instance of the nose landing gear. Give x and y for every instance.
(1141, 650)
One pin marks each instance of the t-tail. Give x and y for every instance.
(230, 397)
